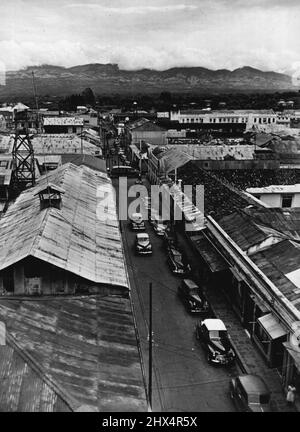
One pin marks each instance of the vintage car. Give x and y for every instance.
(123, 171)
(159, 225)
(250, 393)
(192, 297)
(170, 239)
(139, 180)
(176, 262)
(142, 244)
(137, 222)
(212, 334)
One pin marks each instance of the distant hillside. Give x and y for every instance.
(108, 78)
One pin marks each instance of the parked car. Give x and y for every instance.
(250, 393)
(139, 180)
(123, 171)
(137, 222)
(176, 263)
(142, 244)
(170, 239)
(212, 334)
(192, 297)
(159, 225)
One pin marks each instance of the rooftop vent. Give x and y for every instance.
(50, 196)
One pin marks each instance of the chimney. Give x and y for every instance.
(2, 333)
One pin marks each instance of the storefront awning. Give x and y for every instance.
(272, 326)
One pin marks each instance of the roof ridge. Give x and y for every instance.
(47, 213)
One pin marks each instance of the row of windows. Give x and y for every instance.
(229, 120)
(264, 120)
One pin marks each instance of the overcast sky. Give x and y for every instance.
(155, 34)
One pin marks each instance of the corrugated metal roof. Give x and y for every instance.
(72, 238)
(275, 189)
(63, 121)
(22, 389)
(277, 261)
(62, 143)
(286, 221)
(244, 231)
(215, 152)
(173, 159)
(86, 346)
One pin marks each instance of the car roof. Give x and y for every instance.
(122, 166)
(253, 384)
(214, 324)
(142, 235)
(190, 283)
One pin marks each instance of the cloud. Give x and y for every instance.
(133, 9)
(159, 34)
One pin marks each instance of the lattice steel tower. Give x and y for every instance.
(23, 154)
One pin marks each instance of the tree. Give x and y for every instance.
(88, 97)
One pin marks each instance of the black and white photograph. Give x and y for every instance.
(149, 209)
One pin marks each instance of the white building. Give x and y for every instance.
(249, 117)
(278, 196)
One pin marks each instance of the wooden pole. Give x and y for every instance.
(150, 347)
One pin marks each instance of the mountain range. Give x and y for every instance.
(108, 79)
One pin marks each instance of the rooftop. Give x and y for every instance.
(286, 221)
(245, 232)
(66, 353)
(149, 127)
(63, 121)
(216, 152)
(227, 112)
(63, 143)
(278, 262)
(73, 238)
(275, 189)
(225, 201)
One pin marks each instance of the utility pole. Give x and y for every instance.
(150, 347)
(36, 102)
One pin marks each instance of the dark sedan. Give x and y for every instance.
(192, 297)
(177, 264)
(212, 334)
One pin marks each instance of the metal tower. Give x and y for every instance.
(23, 154)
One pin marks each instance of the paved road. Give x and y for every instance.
(182, 378)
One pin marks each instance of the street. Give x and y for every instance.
(182, 378)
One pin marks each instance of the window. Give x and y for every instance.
(3, 164)
(287, 200)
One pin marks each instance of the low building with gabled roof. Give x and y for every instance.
(66, 250)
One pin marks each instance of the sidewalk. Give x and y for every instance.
(248, 355)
